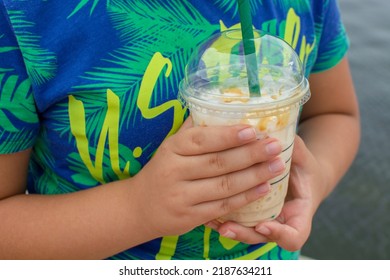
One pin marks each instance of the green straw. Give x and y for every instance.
(244, 9)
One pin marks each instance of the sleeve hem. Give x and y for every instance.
(10, 147)
(322, 67)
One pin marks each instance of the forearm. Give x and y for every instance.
(333, 139)
(91, 224)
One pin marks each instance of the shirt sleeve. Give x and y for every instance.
(334, 42)
(19, 124)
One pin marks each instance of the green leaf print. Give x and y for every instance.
(15, 95)
(83, 3)
(82, 177)
(47, 182)
(231, 5)
(147, 20)
(299, 6)
(7, 49)
(41, 64)
(143, 30)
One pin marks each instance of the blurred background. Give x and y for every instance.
(354, 222)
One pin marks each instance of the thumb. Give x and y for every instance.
(299, 154)
(284, 235)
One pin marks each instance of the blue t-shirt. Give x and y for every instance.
(92, 87)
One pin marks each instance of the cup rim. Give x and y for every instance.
(300, 96)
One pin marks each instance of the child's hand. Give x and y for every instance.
(202, 173)
(292, 227)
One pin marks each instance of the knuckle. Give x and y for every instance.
(173, 172)
(169, 170)
(226, 206)
(262, 173)
(248, 197)
(164, 148)
(225, 184)
(217, 161)
(254, 157)
(231, 136)
(256, 154)
(197, 140)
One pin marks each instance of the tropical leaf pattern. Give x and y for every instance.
(16, 105)
(9, 89)
(231, 6)
(40, 63)
(142, 36)
(83, 3)
(92, 86)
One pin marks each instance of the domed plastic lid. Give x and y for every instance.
(217, 71)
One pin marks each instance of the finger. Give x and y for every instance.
(299, 154)
(235, 182)
(216, 208)
(240, 233)
(286, 236)
(201, 140)
(219, 163)
(214, 224)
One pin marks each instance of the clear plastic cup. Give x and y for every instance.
(215, 89)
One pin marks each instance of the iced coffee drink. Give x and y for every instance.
(215, 89)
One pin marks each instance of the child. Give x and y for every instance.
(91, 127)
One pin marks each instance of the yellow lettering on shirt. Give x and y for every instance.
(152, 73)
(110, 131)
(292, 34)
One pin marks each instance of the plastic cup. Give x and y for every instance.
(215, 89)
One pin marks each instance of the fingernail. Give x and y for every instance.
(212, 225)
(229, 234)
(247, 134)
(276, 165)
(263, 230)
(263, 188)
(281, 219)
(273, 148)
